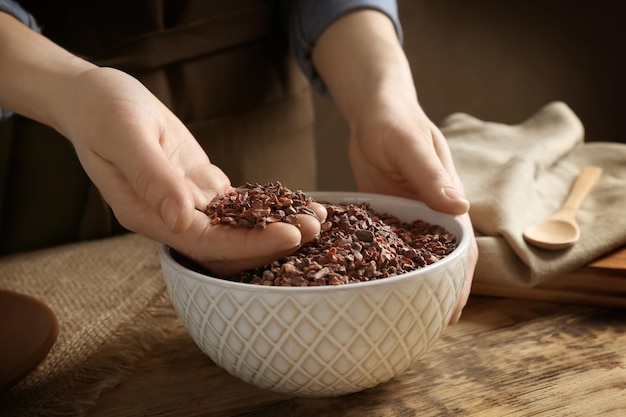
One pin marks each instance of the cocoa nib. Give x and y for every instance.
(256, 205)
(356, 244)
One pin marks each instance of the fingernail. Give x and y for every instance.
(170, 212)
(453, 194)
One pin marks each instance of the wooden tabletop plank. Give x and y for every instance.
(505, 357)
(614, 260)
(601, 283)
(552, 350)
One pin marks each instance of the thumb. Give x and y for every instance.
(435, 176)
(435, 186)
(160, 185)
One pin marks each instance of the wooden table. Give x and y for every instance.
(506, 357)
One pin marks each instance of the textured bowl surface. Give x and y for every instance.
(323, 341)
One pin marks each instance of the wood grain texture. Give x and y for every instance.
(615, 260)
(601, 283)
(507, 357)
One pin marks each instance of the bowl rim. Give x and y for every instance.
(461, 250)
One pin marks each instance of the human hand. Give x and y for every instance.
(156, 177)
(144, 161)
(394, 148)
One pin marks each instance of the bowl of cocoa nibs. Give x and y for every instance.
(350, 310)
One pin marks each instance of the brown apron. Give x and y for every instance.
(222, 66)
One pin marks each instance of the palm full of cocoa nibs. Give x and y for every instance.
(256, 205)
(356, 244)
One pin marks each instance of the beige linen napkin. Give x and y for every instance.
(110, 301)
(515, 175)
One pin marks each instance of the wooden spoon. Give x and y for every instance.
(561, 230)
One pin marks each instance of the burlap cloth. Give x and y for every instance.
(516, 175)
(112, 306)
(109, 298)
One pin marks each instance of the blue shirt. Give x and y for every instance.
(305, 20)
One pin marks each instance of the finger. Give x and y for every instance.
(163, 188)
(469, 275)
(150, 171)
(206, 243)
(320, 211)
(436, 185)
(309, 227)
(206, 182)
(229, 268)
(465, 293)
(445, 155)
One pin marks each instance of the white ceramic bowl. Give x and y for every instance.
(323, 341)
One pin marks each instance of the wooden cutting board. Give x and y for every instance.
(601, 283)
